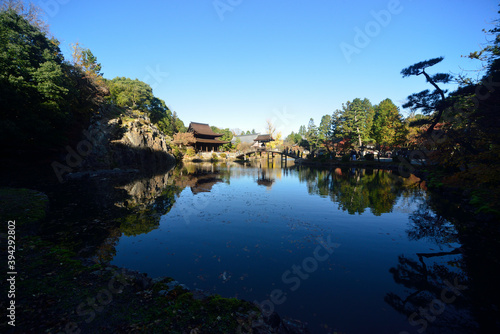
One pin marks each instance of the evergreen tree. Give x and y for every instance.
(302, 130)
(388, 129)
(324, 127)
(312, 135)
(353, 122)
(426, 101)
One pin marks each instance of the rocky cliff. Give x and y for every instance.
(123, 138)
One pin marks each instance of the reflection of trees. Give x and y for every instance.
(357, 189)
(86, 215)
(472, 264)
(145, 216)
(425, 224)
(436, 302)
(151, 198)
(351, 192)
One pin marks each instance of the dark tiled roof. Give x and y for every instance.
(263, 138)
(202, 129)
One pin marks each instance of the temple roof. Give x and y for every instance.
(202, 129)
(210, 141)
(263, 138)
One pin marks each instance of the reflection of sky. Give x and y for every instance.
(240, 238)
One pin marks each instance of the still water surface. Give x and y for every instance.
(345, 250)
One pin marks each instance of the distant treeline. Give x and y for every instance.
(457, 132)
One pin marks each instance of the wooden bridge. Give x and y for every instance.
(284, 154)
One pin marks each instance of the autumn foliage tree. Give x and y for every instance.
(184, 139)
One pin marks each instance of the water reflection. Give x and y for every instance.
(355, 190)
(435, 302)
(257, 221)
(265, 179)
(89, 215)
(430, 225)
(450, 290)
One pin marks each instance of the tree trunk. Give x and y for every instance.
(357, 129)
(440, 109)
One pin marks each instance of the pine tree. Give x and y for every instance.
(353, 122)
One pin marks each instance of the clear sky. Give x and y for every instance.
(236, 63)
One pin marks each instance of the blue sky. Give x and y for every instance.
(236, 63)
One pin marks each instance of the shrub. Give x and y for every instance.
(369, 157)
(215, 157)
(223, 156)
(190, 152)
(177, 153)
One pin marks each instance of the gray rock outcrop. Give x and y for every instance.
(127, 141)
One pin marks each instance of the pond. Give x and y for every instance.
(345, 250)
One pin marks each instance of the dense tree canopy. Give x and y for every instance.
(388, 129)
(125, 92)
(354, 121)
(47, 101)
(42, 96)
(227, 135)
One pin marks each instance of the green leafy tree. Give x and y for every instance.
(388, 129)
(34, 85)
(46, 101)
(161, 115)
(125, 92)
(227, 135)
(353, 122)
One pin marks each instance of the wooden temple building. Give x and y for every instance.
(205, 139)
(261, 140)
